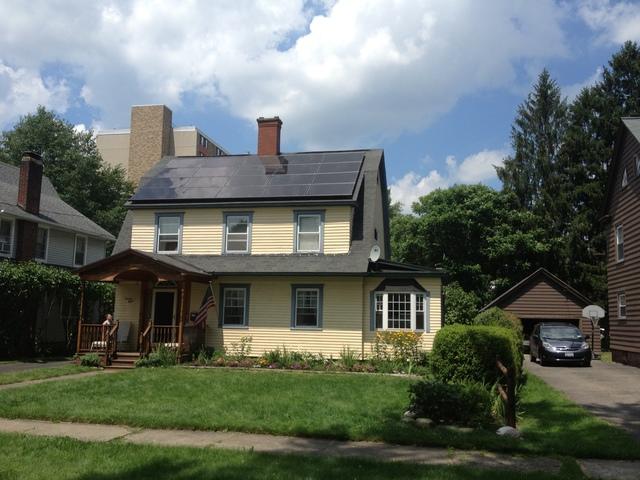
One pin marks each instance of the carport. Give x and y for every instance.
(543, 297)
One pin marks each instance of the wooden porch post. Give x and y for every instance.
(80, 318)
(185, 300)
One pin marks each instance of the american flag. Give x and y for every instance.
(208, 302)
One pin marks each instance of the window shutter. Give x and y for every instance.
(372, 311)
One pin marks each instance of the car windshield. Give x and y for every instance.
(560, 333)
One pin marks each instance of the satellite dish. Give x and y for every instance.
(374, 254)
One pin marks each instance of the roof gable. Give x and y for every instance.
(535, 284)
(630, 129)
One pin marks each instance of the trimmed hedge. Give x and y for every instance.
(466, 404)
(496, 317)
(468, 353)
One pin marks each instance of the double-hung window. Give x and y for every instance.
(168, 232)
(80, 251)
(6, 237)
(619, 243)
(42, 243)
(309, 232)
(234, 305)
(622, 305)
(306, 306)
(400, 311)
(237, 232)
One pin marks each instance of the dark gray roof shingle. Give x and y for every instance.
(53, 211)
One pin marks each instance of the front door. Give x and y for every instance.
(164, 307)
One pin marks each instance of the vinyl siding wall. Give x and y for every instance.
(127, 308)
(270, 316)
(272, 230)
(61, 248)
(624, 276)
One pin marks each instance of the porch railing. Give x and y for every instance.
(158, 335)
(98, 338)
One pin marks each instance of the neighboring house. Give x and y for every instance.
(543, 297)
(295, 245)
(35, 224)
(150, 138)
(623, 244)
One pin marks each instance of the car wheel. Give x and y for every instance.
(543, 362)
(586, 363)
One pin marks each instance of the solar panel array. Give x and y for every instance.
(251, 177)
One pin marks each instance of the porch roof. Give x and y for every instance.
(136, 265)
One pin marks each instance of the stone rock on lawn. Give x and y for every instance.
(424, 422)
(509, 432)
(408, 419)
(410, 414)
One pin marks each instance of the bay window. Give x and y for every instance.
(400, 311)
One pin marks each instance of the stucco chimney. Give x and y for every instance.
(30, 182)
(151, 138)
(269, 135)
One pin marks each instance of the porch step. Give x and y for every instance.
(124, 360)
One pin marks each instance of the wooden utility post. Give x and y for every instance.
(509, 395)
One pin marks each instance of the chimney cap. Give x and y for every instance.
(269, 119)
(31, 155)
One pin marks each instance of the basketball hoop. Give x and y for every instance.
(593, 313)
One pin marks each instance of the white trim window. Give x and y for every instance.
(42, 244)
(168, 230)
(6, 237)
(237, 233)
(309, 232)
(400, 311)
(80, 251)
(622, 305)
(619, 243)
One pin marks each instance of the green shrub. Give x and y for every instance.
(90, 360)
(348, 358)
(242, 349)
(161, 357)
(496, 317)
(460, 306)
(401, 347)
(469, 352)
(467, 404)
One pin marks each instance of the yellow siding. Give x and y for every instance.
(272, 230)
(270, 317)
(127, 308)
(432, 285)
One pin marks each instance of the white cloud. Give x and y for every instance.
(572, 91)
(22, 90)
(615, 22)
(476, 168)
(353, 75)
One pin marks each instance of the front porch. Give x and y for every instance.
(154, 303)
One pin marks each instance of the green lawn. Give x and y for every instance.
(40, 373)
(329, 405)
(27, 458)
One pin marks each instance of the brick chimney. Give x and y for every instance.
(269, 135)
(30, 182)
(151, 138)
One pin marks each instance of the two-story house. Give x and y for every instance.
(36, 224)
(293, 244)
(623, 240)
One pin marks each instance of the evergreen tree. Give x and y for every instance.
(73, 164)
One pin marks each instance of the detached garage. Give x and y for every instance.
(543, 297)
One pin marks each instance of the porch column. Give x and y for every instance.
(80, 318)
(185, 303)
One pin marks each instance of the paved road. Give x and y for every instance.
(11, 367)
(609, 390)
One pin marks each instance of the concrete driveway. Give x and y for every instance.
(609, 390)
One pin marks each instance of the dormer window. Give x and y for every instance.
(625, 178)
(237, 232)
(309, 232)
(168, 233)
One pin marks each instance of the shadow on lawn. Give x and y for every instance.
(260, 466)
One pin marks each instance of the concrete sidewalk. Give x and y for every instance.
(282, 445)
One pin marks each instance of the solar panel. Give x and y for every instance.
(303, 175)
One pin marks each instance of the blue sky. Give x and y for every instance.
(434, 83)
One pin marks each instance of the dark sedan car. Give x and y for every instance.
(559, 343)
